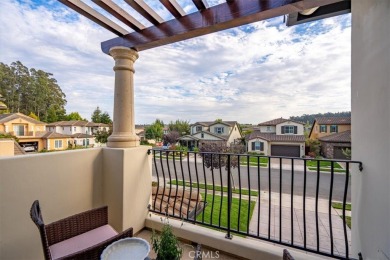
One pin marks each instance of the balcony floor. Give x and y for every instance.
(188, 249)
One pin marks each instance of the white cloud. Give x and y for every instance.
(250, 74)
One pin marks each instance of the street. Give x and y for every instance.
(249, 179)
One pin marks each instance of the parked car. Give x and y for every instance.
(29, 148)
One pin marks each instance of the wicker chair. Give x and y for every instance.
(81, 236)
(287, 255)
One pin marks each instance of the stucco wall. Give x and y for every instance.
(315, 134)
(65, 183)
(6, 148)
(29, 128)
(371, 122)
(234, 135)
(266, 146)
(299, 127)
(263, 129)
(226, 129)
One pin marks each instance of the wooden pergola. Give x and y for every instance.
(206, 20)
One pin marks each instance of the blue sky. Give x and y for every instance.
(250, 74)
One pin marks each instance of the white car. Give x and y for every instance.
(29, 148)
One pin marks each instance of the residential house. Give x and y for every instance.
(55, 141)
(24, 128)
(334, 134)
(278, 137)
(224, 132)
(81, 139)
(77, 127)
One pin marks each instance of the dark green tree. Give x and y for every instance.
(102, 136)
(155, 130)
(180, 126)
(96, 115)
(74, 116)
(105, 119)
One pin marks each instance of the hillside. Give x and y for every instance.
(310, 117)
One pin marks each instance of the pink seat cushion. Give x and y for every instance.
(81, 242)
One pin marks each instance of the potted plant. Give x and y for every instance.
(166, 245)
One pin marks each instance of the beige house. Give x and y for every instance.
(224, 132)
(25, 128)
(278, 137)
(334, 133)
(77, 127)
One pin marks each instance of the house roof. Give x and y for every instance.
(333, 120)
(82, 135)
(209, 123)
(278, 121)
(8, 117)
(50, 135)
(343, 137)
(68, 123)
(275, 138)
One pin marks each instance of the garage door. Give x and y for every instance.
(338, 152)
(285, 150)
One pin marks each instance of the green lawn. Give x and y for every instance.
(323, 164)
(216, 188)
(338, 205)
(253, 161)
(233, 215)
(348, 220)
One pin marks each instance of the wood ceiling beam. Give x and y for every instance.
(216, 18)
(173, 7)
(120, 14)
(201, 4)
(95, 16)
(143, 9)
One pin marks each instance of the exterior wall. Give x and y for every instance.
(327, 148)
(29, 128)
(206, 137)
(65, 183)
(371, 107)
(315, 134)
(79, 141)
(266, 146)
(263, 129)
(299, 127)
(193, 129)
(235, 134)
(50, 144)
(226, 129)
(7, 147)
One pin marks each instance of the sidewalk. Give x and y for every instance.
(261, 227)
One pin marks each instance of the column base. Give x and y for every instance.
(123, 141)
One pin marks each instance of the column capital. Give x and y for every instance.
(119, 52)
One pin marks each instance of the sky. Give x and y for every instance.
(250, 74)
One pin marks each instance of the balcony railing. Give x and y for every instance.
(284, 200)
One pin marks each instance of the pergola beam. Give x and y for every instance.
(173, 7)
(143, 9)
(95, 16)
(217, 18)
(201, 4)
(120, 14)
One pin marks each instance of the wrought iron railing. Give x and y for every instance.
(285, 200)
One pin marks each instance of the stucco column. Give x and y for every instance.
(123, 134)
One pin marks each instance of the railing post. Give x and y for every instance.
(229, 197)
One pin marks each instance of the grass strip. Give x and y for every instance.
(338, 205)
(234, 212)
(326, 169)
(323, 164)
(216, 188)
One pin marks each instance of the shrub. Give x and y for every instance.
(166, 246)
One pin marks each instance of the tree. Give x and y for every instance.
(102, 136)
(314, 147)
(99, 117)
(171, 137)
(96, 115)
(74, 116)
(180, 126)
(34, 116)
(155, 130)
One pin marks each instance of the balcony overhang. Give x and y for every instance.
(206, 20)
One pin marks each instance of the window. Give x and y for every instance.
(74, 129)
(333, 128)
(58, 144)
(322, 128)
(289, 129)
(19, 130)
(268, 129)
(198, 128)
(218, 130)
(202, 135)
(257, 146)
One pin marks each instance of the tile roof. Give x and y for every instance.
(69, 123)
(8, 117)
(276, 138)
(82, 135)
(50, 135)
(209, 123)
(278, 121)
(343, 137)
(333, 120)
